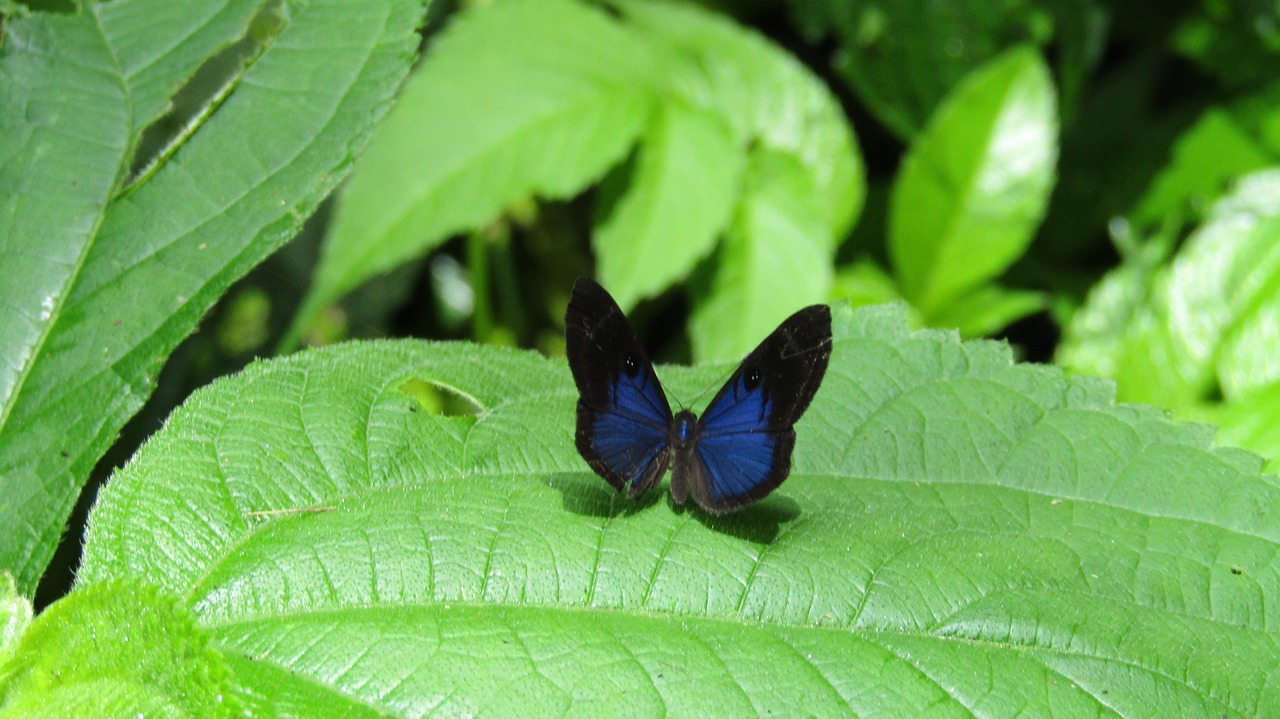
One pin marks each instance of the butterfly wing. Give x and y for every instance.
(743, 441)
(623, 415)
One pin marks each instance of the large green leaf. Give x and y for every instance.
(974, 186)
(515, 98)
(101, 282)
(776, 259)
(960, 536)
(1202, 327)
(681, 192)
(75, 92)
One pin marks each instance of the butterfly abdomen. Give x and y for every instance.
(683, 441)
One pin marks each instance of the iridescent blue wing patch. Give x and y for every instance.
(623, 415)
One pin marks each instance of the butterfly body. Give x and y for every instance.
(737, 452)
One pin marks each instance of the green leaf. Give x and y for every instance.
(974, 186)
(776, 259)
(1212, 153)
(103, 285)
(1201, 326)
(75, 92)
(960, 535)
(514, 98)
(680, 197)
(15, 617)
(767, 97)
(117, 649)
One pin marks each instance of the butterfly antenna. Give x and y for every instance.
(724, 376)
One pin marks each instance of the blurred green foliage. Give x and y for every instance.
(1023, 157)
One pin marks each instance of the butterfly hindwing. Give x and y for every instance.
(623, 415)
(743, 442)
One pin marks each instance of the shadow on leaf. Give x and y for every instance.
(758, 523)
(587, 494)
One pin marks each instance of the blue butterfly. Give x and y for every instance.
(738, 452)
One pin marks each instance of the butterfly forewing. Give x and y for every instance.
(623, 415)
(745, 437)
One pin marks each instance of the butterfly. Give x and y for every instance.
(736, 453)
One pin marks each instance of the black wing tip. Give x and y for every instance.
(813, 321)
(588, 290)
(589, 304)
(586, 283)
(817, 315)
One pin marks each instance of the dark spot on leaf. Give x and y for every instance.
(64, 453)
(1237, 571)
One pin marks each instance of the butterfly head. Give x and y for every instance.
(683, 427)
